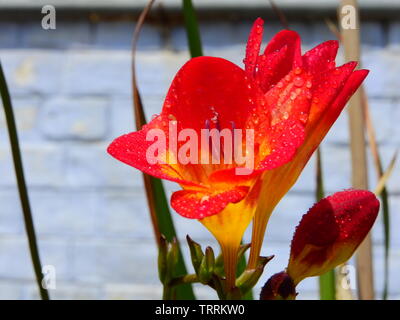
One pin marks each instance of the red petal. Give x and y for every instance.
(279, 287)
(292, 40)
(327, 87)
(271, 68)
(131, 149)
(332, 113)
(198, 205)
(253, 46)
(351, 86)
(230, 176)
(322, 57)
(291, 97)
(283, 139)
(209, 89)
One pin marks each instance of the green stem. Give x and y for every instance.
(327, 282)
(168, 292)
(23, 193)
(218, 287)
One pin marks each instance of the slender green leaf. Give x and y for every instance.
(160, 214)
(386, 228)
(327, 282)
(22, 189)
(192, 29)
(166, 227)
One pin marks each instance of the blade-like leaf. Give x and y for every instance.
(192, 29)
(160, 214)
(22, 189)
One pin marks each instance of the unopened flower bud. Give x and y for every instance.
(279, 287)
(196, 254)
(162, 259)
(206, 268)
(330, 232)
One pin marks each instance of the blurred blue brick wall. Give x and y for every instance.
(71, 92)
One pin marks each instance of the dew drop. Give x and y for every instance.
(303, 117)
(285, 115)
(298, 82)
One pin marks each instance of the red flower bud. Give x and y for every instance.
(279, 287)
(330, 232)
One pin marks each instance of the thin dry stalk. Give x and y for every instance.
(351, 42)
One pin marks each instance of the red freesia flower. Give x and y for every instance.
(330, 232)
(287, 100)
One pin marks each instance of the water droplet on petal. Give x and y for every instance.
(298, 82)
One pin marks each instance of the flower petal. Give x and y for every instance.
(352, 84)
(282, 54)
(329, 85)
(322, 57)
(283, 139)
(253, 46)
(331, 113)
(271, 68)
(132, 149)
(194, 204)
(208, 89)
(292, 40)
(291, 97)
